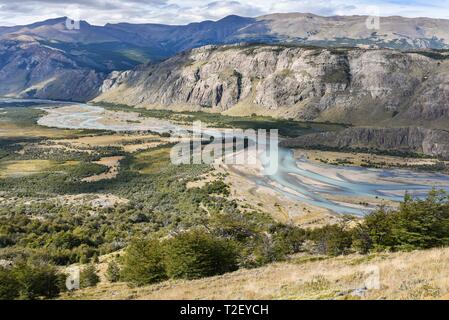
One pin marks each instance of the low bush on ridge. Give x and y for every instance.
(230, 242)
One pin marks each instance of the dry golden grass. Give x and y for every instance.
(115, 140)
(22, 168)
(10, 130)
(152, 160)
(130, 143)
(358, 159)
(413, 275)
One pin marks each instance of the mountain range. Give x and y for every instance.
(294, 65)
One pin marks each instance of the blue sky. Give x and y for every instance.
(185, 11)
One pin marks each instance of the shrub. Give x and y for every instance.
(89, 276)
(5, 241)
(235, 225)
(288, 239)
(9, 286)
(113, 272)
(197, 254)
(37, 280)
(417, 224)
(143, 263)
(261, 251)
(332, 240)
(95, 258)
(376, 232)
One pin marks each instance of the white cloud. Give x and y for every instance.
(185, 11)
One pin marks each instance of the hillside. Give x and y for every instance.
(395, 32)
(355, 86)
(30, 70)
(413, 275)
(82, 55)
(299, 28)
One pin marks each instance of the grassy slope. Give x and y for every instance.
(21, 123)
(413, 275)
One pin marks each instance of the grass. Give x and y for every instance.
(21, 122)
(373, 160)
(21, 168)
(151, 161)
(411, 275)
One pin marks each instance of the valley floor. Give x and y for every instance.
(59, 179)
(412, 275)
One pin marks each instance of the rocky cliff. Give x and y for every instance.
(408, 139)
(357, 86)
(83, 54)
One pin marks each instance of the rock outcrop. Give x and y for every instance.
(430, 142)
(357, 86)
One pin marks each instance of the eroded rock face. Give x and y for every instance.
(430, 142)
(355, 86)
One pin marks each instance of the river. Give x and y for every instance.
(330, 187)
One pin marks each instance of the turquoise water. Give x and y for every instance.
(389, 183)
(297, 179)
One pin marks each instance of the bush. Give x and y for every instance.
(417, 224)
(332, 240)
(9, 286)
(197, 254)
(261, 251)
(376, 232)
(5, 241)
(89, 276)
(143, 263)
(37, 280)
(288, 239)
(113, 272)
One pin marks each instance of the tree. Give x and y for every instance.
(197, 254)
(416, 224)
(377, 231)
(37, 279)
(332, 240)
(9, 286)
(288, 239)
(143, 263)
(422, 224)
(89, 276)
(113, 272)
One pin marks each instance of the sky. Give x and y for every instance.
(100, 12)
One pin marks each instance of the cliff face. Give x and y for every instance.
(339, 85)
(47, 60)
(415, 139)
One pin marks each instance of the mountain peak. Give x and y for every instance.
(54, 22)
(48, 22)
(234, 18)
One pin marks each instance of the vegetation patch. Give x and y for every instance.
(25, 167)
(289, 128)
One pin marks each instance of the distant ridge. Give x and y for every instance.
(46, 60)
